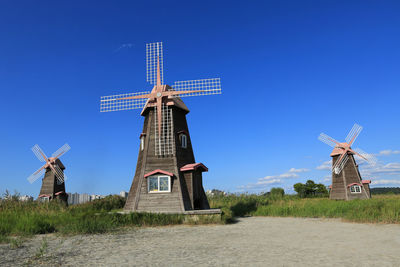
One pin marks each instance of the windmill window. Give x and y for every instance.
(142, 143)
(355, 189)
(159, 184)
(184, 141)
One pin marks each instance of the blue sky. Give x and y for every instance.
(289, 70)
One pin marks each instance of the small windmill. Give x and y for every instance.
(166, 162)
(53, 183)
(346, 178)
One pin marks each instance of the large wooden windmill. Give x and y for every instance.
(346, 179)
(167, 178)
(53, 182)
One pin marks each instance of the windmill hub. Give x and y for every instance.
(158, 94)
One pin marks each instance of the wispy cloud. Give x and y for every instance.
(385, 182)
(388, 152)
(262, 183)
(326, 165)
(379, 169)
(128, 45)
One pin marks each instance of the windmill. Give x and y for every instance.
(346, 179)
(53, 183)
(166, 162)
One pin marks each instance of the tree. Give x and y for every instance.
(277, 192)
(310, 189)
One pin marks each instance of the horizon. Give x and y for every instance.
(288, 73)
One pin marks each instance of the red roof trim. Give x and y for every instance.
(194, 166)
(158, 171)
(330, 187)
(60, 193)
(366, 181)
(353, 184)
(44, 195)
(142, 134)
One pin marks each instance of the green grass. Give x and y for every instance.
(29, 218)
(20, 219)
(379, 209)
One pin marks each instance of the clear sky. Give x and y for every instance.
(289, 70)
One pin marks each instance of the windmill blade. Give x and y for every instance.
(119, 102)
(61, 151)
(328, 140)
(340, 163)
(353, 134)
(202, 87)
(58, 173)
(39, 153)
(34, 176)
(154, 56)
(365, 156)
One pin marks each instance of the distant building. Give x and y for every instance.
(94, 197)
(216, 192)
(83, 198)
(123, 194)
(25, 198)
(73, 198)
(77, 198)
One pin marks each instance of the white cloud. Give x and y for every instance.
(388, 152)
(380, 169)
(385, 182)
(326, 165)
(294, 170)
(272, 179)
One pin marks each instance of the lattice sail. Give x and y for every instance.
(118, 102)
(207, 86)
(353, 134)
(154, 53)
(327, 140)
(59, 174)
(36, 175)
(61, 151)
(371, 159)
(339, 165)
(38, 153)
(164, 142)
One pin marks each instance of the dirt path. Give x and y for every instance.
(256, 241)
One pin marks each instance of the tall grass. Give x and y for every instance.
(379, 209)
(29, 218)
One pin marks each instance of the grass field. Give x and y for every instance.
(28, 218)
(378, 209)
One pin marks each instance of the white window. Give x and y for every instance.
(142, 143)
(355, 189)
(184, 140)
(159, 184)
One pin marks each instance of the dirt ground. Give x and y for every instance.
(255, 241)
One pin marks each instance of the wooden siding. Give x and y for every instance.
(350, 174)
(49, 182)
(178, 200)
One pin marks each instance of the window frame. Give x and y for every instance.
(183, 143)
(141, 143)
(158, 184)
(355, 190)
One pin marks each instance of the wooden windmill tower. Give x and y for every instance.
(167, 178)
(346, 179)
(53, 183)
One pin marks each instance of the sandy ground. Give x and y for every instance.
(255, 241)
